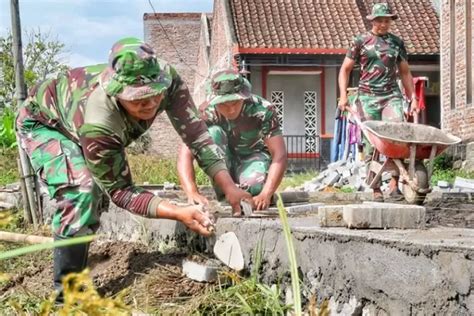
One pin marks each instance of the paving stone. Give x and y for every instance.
(304, 208)
(331, 216)
(468, 165)
(332, 178)
(384, 215)
(457, 164)
(311, 187)
(346, 173)
(227, 249)
(463, 183)
(470, 150)
(443, 184)
(6, 205)
(333, 166)
(199, 271)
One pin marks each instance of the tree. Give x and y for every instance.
(42, 56)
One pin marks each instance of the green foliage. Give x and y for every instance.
(7, 129)
(295, 280)
(297, 179)
(443, 162)
(8, 165)
(41, 58)
(443, 170)
(155, 170)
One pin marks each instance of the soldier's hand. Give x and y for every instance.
(343, 103)
(197, 198)
(414, 107)
(234, 197)
(262, 201)
(195, 219)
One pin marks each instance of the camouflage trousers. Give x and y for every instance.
(379, 108)
(61, 168)
(249, 172)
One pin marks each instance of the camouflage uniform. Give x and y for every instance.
(243, 139)
(75, 132)
(379, 96)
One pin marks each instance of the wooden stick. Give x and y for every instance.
(22, 238)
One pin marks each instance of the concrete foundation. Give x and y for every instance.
(371, 272)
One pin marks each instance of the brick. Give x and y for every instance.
(199, 271)
(384, 215)
(443, 184)
(304, 208)
(332, 178)
(331, 216)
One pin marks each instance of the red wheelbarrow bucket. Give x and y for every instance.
(393, 139)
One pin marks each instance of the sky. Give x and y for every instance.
(89, 28)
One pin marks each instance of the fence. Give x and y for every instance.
(303, 152)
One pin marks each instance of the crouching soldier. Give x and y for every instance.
(245, 127)
(75, 129)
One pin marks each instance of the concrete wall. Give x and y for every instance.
(370, 272)
(457, 112)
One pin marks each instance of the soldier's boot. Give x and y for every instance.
(394, 192)
(70, 259)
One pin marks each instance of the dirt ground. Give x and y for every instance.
(150, 279)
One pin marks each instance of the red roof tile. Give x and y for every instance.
(326, 26)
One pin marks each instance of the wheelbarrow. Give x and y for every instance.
(405, 146)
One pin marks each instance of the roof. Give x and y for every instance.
(326, 26)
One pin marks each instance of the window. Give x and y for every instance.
(278, 100)
(311, 122)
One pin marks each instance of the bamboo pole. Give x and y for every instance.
(20, 95)
(22, 238)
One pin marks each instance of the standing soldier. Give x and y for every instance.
(381, 56)
(245, 127)
(75, 128)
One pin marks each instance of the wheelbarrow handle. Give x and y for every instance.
(354, 114)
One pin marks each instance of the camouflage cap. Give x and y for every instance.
(229, 85)
(133, 72)
(381, 10)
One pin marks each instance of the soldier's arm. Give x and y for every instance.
(105, 157)
(193, 131)
(343, 80)
(187, 177)
(276, 146)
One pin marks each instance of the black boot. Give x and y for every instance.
(66, 260)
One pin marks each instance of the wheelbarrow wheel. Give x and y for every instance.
(421, 179)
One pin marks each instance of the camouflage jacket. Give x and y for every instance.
(378, 57)
(246, 134)
(75, 104)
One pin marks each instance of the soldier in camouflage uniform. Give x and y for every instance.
(382, 57)
(75, 128)
(245, 127)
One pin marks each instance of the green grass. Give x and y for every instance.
(449, 175)
(8, 166)
(296, 179)
(155, 170)
(443, 170)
